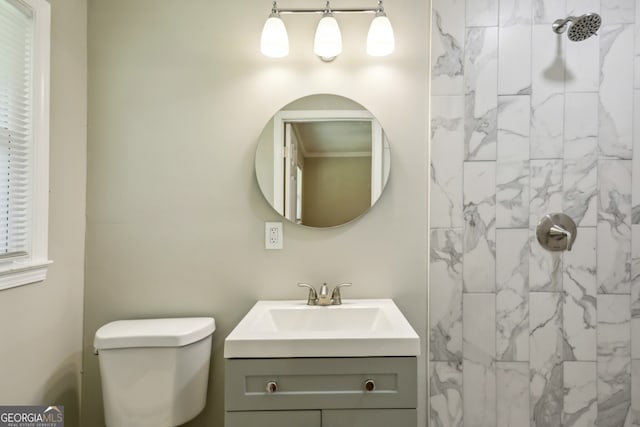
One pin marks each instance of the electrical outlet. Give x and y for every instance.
(273, 235)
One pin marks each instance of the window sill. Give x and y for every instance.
(23, 274)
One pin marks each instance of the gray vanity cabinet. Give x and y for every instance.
(322, 392)
(370, 418)
(273, 419)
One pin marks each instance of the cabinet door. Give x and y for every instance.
(369, 418)
(272, 419)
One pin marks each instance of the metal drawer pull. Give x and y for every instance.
(272, 387)
(369, 385)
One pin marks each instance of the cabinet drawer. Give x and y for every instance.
(320, 383)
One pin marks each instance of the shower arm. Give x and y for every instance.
(560, 25)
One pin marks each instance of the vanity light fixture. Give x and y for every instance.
(327, 44)
(380, 40)
(274, 42)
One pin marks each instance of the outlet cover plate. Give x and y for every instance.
(273, 235)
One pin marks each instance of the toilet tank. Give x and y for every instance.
(154, 371)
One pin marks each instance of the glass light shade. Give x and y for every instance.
(274, 41)
(328, 41)
(380, 40)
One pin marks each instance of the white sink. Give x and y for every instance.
(357, 328)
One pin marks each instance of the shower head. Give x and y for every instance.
(580, 27)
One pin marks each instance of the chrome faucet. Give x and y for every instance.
(323, 297)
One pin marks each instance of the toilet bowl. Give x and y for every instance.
(154, 371)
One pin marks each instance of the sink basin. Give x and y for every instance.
(357, 328)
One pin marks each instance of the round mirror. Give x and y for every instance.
(322, 161)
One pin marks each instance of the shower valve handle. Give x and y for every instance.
(556, 232)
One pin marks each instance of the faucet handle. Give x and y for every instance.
(335, 295)
(312, 299)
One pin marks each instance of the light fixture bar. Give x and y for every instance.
(328, 39)
(374, 10)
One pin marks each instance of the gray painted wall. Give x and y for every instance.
(41, 324)
(178, 96)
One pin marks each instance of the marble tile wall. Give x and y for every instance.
(523, 123)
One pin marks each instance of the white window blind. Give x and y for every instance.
(16, 123)
(25, 38)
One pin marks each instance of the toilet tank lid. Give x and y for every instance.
(174, 332)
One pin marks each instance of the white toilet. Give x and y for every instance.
(154, 371)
